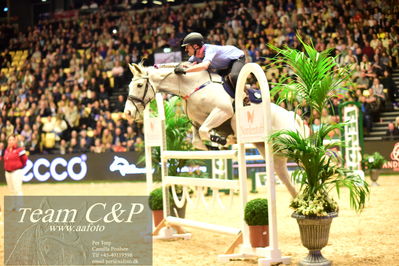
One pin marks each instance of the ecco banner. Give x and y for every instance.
(78, 230)
(76, 167)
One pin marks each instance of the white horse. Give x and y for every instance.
(207, 107)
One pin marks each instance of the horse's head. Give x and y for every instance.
(141, 91)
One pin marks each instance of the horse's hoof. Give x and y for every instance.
(219, 140)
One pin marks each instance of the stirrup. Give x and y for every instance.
(219, 140)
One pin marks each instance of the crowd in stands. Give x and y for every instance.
(57, 78)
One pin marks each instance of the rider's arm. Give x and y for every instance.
(187, 64)
(198, 67)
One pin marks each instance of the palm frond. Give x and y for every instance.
(316, 76)
(316, 79)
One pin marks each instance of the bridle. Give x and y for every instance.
(134, 99)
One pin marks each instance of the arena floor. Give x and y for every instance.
(369, 238)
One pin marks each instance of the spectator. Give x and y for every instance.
(316, 125)
(120, 105)
(363, 82)
(98, 146)
(375, 105)
(103, 94)
(107, 137)
(60, 127)
(117, 72)
(9, 129)
(392, 132)
(389, 84)
(365, 63)
(27, 133)
(83, 135)
(72, 114)
(83, 147)
(138, 145)
(34, 146)
(130, 145)
(74, 146)
(119, 137)
(118, 147)
(63, 147)
(378, 89)
(15, 159)
(130, 134)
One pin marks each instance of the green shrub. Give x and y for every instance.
(256, 212)
(155, 200)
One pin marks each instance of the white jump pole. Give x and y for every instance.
(254, 125)
(156, 136)
(353, 155)
(153, 135)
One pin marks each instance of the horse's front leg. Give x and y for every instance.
(217, 117)
(197, 142)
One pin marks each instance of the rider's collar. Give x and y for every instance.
(200, 53)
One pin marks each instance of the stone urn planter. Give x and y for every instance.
(314, 236)
(374, 175)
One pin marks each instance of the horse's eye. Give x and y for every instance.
(140, 85)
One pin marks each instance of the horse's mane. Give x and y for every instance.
(167, 65)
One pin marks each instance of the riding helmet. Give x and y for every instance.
(193, 38)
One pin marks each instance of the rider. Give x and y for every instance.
(226, 60)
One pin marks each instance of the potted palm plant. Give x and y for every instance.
(257, 219)
(373, 163)
(315, 80)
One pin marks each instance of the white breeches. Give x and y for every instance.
(14, 182)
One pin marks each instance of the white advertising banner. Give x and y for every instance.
(252, 124)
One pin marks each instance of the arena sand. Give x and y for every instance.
(369, 238)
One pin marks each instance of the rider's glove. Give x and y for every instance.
(179, 71)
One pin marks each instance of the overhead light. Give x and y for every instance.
(144, 2)
(156, 2)
(5, 9)
(170, 0)
(44, 0)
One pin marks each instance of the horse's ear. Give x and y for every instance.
(135, 69)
